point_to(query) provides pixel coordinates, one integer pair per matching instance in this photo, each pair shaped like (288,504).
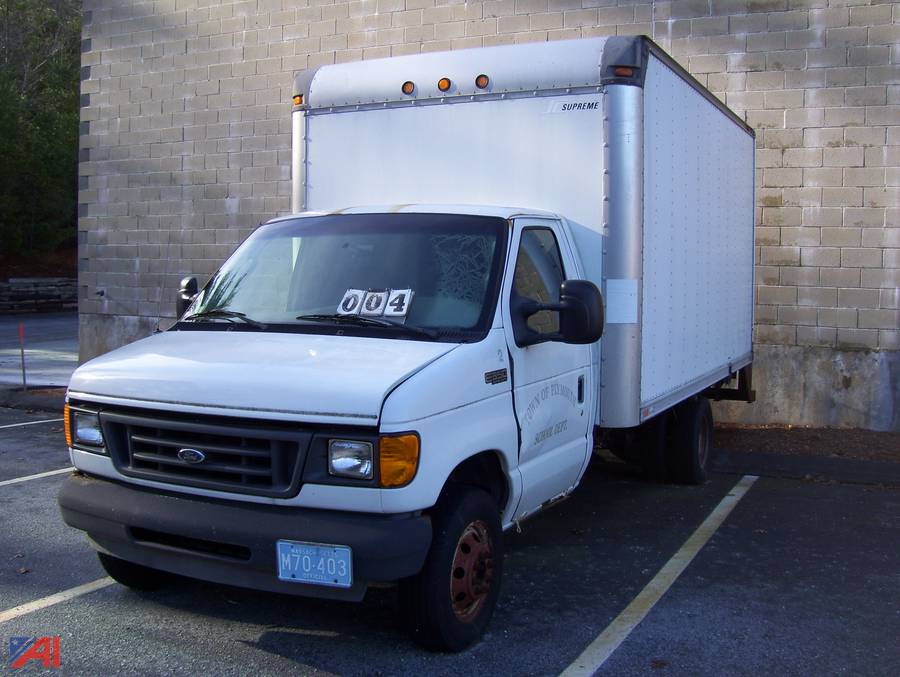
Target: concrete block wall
(185,149)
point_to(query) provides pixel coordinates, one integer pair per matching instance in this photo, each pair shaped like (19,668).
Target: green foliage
(39,112)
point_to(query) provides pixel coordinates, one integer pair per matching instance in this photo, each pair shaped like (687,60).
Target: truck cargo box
(654,175)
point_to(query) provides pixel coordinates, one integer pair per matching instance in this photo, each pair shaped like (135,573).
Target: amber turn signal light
(482,81)
(408,87)
(66,424)
(398,459)
(298,100)
(623,71)
(444,84)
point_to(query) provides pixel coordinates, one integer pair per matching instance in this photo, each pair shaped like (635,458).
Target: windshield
(418,276)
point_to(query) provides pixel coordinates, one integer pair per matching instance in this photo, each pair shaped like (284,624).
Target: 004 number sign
(387,302)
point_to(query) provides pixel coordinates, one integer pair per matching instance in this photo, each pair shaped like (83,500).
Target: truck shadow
(567,574)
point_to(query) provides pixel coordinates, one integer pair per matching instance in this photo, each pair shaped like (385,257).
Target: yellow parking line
(598,651)
(58,598)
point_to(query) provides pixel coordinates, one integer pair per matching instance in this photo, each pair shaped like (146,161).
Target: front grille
(242,457)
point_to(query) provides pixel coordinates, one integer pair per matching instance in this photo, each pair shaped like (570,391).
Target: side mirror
(581,317)
(185,295)
(580,311)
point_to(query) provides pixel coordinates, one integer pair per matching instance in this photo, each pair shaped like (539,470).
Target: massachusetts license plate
(315,563)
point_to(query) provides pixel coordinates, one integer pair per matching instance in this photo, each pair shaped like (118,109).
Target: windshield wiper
(363,321)
(225,314)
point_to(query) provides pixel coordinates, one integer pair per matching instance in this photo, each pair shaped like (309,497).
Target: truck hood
(300,377)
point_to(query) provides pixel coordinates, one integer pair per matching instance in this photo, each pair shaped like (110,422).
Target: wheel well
(485,472)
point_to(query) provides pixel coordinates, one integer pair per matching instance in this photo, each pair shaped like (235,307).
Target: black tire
(691,441)
(448,605)
(131,575)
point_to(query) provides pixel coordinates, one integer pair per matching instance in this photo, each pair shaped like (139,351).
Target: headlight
(349,458)
(84,430)
(87,429)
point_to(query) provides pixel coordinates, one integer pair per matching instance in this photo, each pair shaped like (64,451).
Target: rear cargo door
(550,379)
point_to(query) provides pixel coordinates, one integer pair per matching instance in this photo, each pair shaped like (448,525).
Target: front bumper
(233,542)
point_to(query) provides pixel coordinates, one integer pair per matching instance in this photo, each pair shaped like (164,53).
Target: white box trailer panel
(697,291)
(653,174)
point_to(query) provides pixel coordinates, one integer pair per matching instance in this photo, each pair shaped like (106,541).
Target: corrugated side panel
(536,152)
(697,295)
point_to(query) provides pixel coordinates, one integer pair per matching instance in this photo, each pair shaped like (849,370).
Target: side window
(539,272)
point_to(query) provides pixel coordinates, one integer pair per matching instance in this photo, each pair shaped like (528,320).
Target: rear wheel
(448,605)
(131,575)
(691,441)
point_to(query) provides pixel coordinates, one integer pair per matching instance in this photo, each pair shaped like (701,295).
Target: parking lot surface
(803,577)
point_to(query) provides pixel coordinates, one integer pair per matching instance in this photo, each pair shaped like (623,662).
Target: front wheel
(448,605)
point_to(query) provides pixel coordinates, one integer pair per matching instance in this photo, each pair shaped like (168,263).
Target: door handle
(581,389)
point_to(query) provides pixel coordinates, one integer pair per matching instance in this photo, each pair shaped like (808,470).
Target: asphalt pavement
(801,578)
(51,348)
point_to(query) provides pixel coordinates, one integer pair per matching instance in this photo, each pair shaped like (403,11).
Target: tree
(39,113)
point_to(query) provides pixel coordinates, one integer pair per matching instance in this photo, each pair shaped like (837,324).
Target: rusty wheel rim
(472,572)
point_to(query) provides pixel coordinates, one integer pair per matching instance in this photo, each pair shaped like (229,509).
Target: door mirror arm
(532,307)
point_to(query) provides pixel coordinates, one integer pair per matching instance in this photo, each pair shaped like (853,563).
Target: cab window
(539,273)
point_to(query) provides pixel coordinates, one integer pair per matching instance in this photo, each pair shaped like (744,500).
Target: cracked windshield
(415,275)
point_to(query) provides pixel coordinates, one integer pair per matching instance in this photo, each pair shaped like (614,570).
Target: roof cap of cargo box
(516,70)
(564,64)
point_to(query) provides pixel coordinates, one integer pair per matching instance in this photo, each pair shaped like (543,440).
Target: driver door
(552,388)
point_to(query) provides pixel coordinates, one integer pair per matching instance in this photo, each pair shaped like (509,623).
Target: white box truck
(373,388)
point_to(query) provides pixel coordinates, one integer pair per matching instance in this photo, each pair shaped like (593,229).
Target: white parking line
(58,598)
(38,476)
(19,425)
(598,651)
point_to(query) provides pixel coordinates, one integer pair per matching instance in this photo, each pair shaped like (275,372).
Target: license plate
(315,563)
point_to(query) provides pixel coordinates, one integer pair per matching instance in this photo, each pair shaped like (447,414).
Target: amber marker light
(298,100)
(623,71)
(408,87)
(398,459)
(444,84)
(482,81)
(66,424)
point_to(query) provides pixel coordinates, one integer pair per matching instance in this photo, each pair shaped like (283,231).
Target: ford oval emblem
(191,456)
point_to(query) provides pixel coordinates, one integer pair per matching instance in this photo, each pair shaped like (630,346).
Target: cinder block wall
(185,149)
